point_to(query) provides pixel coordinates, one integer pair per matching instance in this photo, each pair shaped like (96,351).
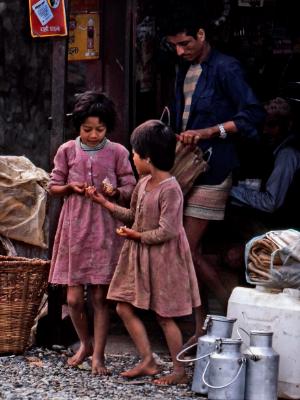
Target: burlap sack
(23,198)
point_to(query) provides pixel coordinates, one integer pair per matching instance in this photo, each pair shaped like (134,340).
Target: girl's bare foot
(98,367)
(83,352)
(143,368)
(176,378)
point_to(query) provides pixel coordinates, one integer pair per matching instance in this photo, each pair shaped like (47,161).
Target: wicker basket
(22,284)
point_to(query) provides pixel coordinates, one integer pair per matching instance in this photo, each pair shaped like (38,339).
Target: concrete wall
(25,86)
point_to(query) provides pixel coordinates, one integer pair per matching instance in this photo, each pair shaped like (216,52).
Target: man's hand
(193,136)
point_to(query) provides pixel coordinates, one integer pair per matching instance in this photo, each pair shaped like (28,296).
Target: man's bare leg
(206,273)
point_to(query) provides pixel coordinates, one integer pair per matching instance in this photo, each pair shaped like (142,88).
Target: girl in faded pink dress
(86,248)
(155,269)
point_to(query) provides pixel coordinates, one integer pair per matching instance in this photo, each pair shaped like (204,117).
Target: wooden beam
(57,133)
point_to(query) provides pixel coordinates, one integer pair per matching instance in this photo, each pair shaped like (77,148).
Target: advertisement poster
(47,18)
(84,37)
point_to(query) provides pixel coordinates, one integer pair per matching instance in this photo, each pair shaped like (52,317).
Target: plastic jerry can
(261,308)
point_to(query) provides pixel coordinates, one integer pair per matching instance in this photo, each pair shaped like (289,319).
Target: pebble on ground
(43,374)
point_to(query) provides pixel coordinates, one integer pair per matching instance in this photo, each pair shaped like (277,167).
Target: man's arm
(286,164)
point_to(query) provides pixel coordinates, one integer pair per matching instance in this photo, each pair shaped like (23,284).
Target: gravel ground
(41,374)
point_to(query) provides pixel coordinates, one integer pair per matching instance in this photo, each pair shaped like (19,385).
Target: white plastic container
(279,312)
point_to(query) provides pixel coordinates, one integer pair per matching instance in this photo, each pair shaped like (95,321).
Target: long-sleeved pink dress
(156,273)
(86,247)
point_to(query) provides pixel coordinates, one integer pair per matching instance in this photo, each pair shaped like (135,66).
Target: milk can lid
(230,341)
(261,332)
(221,318)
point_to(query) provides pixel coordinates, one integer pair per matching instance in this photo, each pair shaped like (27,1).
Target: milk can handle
(238,329)
(228,384)
(190,359)
(253,356)
(208,319)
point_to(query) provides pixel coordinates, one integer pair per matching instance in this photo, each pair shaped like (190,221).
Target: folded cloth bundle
(259,259)
(272,258)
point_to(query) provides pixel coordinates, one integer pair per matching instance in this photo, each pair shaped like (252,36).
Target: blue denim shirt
(287,163)
(221,94)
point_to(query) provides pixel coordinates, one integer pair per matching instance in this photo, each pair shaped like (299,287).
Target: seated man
(257,206)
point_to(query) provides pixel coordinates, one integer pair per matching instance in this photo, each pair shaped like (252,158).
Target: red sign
(47,18)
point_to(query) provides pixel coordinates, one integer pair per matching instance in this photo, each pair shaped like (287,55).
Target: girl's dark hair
(94,104)
(155,140)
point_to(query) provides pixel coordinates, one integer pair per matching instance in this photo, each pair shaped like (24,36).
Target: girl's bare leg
(138,334)
(75,298)
(174,341)
(101,324)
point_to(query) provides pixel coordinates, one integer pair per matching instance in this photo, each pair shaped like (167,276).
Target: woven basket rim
(14,260)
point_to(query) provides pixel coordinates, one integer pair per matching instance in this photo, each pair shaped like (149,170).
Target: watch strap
(222,131)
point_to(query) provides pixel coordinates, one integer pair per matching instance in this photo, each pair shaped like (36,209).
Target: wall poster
(47,18)
(84,37)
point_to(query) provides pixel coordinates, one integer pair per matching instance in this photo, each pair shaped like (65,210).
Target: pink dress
(86,247)
(156,273)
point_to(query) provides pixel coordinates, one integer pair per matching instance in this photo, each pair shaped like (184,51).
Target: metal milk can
(216,327)
(262,367)
(225,371)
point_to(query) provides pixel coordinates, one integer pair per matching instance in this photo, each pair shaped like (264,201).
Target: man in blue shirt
(286,152)
(213,103)
(266,201)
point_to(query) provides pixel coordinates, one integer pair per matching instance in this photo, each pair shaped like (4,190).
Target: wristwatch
(223,133)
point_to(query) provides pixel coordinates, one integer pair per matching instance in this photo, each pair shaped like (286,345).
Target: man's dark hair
(279,114)
(184,19)
(94,104)
(155,140)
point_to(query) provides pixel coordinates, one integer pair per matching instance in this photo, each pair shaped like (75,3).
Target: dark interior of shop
(263,35)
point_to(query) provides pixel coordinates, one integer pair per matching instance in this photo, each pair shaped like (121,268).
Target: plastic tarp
(273,259)
(23,198)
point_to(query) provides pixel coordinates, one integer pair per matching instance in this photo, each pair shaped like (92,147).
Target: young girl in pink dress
(155,269)
(86,248)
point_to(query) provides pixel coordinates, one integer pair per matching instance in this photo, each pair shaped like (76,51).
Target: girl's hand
(111,192)
(128,233)
(108,189)
(77,187)
(92,193)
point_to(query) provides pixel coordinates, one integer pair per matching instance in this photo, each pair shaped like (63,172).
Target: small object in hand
(107,185)
(120,230)
(88,191)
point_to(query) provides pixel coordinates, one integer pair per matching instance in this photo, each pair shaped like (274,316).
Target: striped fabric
(92,150)
(208,201)
(190,82)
